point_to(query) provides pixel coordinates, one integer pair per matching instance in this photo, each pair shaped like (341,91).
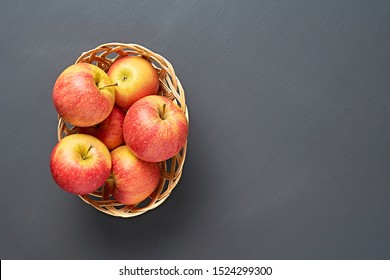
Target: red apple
(136,77)
(83,94)
(80,163)
(109,131)
(155,128)
(134,179)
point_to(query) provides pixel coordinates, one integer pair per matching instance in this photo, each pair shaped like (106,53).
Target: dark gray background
(289,145)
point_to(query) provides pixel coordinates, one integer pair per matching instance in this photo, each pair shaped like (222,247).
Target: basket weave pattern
(171,170)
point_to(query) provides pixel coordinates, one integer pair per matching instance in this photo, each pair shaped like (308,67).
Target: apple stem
(86,153)
(110,85)
(162,114)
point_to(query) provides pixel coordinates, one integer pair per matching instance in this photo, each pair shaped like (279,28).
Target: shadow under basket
(171,170)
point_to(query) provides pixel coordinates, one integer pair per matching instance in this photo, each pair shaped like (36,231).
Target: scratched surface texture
(289,145)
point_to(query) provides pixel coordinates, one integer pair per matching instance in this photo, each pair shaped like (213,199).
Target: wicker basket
(171,170)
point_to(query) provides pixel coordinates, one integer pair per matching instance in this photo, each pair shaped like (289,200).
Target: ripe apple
(80,163)
(83,94)
(109,131)
(155,128)
(134,179)
(136,78)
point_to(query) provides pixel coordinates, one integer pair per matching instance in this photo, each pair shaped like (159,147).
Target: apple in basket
(80,163)
(134,179)
(83,95)
(109,131)
(155,128)
(136,77)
